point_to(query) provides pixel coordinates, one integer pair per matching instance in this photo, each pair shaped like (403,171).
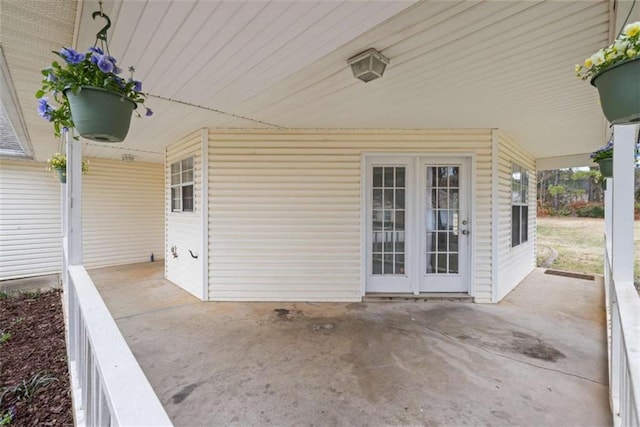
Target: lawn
(579,243)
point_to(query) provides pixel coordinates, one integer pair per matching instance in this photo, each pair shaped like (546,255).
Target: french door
(417,224)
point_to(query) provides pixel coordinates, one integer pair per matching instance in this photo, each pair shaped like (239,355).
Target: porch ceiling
(454,64)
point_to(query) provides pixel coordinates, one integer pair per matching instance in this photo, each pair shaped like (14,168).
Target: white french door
(417,224)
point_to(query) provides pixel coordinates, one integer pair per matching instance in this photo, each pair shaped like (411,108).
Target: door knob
(465,232)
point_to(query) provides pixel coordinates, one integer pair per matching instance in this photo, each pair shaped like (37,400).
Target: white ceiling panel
(268,64)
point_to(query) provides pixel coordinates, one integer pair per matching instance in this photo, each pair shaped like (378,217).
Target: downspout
(495,200)
(204,213)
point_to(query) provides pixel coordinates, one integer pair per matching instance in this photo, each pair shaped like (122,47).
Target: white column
(622,201)
(65,234)
(74,200)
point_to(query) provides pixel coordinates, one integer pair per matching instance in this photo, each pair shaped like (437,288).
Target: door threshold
(423,297)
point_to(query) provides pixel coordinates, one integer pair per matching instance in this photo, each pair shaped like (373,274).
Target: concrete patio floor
(538,358)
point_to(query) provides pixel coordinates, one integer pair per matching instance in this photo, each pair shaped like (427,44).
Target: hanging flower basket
(62,175)
(89,94)
(606,167)
(99,114)
(619,90)
(615,71)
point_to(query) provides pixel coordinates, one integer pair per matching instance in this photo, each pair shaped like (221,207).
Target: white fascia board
(563,162)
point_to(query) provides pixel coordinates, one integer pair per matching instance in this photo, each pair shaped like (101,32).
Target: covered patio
(537,357)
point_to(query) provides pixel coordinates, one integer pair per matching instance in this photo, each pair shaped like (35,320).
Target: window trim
(181,185)
(520,200)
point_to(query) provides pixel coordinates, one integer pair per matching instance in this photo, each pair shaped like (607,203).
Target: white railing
(624,347)
(109,388)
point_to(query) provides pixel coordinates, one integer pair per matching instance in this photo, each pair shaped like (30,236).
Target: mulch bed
(34,353)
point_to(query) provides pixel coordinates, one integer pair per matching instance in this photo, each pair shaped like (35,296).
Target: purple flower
(120,81)
(71,56)
(105,65)
(51,77)
(137,85)
(149,113)
(95,57)
(96,50)
(116,70)
(44,109)
(65,129)
(112,59)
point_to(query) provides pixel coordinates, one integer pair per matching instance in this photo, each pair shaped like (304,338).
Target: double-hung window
(182,185)
(519,205)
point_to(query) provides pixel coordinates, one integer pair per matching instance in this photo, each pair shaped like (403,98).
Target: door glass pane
(387,266)
(388,177)
(442,219)
(388,220)
(399,177)
(377,263)
(377,177)
(377,198)
(377,220)
(400,220)
(388,198)
(399,264)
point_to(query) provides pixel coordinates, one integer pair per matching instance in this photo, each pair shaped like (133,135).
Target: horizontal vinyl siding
(30,223)
(285,209)
(122,212)
(514,263)
(184,229)
(122,216)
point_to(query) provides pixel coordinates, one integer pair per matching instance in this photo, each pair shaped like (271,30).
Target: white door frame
(365,161)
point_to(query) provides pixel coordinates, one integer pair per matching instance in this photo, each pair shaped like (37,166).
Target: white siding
(122,212)
(285,209)
(184,229)
(513,263)
(122,216)
(30,224)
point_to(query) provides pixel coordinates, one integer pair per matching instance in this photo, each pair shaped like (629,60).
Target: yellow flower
(578,66)
(588,63)
(631,53)
(632,29)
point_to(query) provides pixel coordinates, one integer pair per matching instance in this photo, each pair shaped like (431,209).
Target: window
(182,186)
(519,205)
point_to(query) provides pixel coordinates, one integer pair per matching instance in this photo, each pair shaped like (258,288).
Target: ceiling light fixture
(368,65)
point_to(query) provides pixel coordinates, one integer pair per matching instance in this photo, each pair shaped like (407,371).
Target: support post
(622,201)
(73,200)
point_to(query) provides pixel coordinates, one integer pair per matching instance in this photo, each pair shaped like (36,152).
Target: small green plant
(7,417)
(5,337)
(32,294)
(3,295)
(29,388)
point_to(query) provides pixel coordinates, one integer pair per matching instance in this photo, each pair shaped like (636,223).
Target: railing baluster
(112,388)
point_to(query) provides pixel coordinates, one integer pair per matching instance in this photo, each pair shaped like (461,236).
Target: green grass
(579,243)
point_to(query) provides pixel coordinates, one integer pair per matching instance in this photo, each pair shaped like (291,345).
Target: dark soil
(34,353)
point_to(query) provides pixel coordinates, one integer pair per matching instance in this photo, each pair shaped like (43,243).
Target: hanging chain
(627,18)
(101,36)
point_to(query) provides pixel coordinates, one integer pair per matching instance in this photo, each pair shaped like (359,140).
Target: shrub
(591,210)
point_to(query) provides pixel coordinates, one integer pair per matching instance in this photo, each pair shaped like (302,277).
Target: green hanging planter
(62,175)
(606,167)
(619,89)
(603,184)
(100,115)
